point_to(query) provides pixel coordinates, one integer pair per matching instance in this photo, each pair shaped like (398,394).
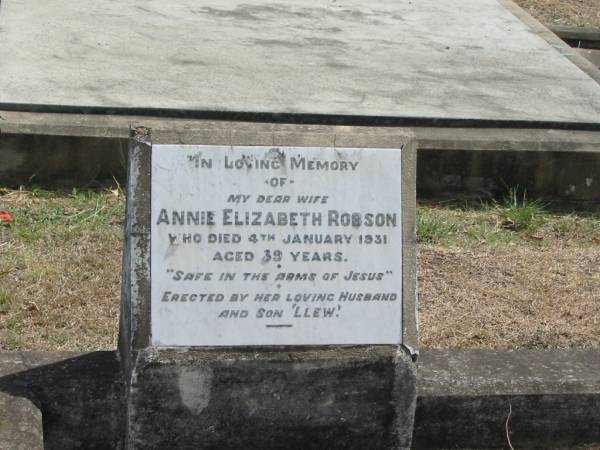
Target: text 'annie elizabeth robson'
(231,217)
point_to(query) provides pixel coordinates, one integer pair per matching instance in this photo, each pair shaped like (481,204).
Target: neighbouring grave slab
(269,290)
(20,424)
(481,398)
(454,61)
(79,399)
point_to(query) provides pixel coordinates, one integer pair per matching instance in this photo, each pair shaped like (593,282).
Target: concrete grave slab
(461,60)
(480,398)
(591,55)
(20,424)
(77,397)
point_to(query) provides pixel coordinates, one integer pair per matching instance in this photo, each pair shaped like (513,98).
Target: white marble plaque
(275,246)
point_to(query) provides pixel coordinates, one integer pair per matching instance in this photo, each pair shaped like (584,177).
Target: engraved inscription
(275,246)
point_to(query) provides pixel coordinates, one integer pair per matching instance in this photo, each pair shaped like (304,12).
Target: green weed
(5,301)
(518,213)
(484,231)
(434,229)
(58,217)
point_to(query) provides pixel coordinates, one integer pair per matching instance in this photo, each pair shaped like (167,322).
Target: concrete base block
(20,424)
(490,398)
(338,398)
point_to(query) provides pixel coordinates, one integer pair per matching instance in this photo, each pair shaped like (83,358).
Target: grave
(493,96)
(269,291)
(279,82)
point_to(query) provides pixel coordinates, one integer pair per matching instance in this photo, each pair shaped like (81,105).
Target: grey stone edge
(20,424)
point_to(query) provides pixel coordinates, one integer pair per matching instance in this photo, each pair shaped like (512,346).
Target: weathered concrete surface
(466,60)
(465,397)
(443,138)
(562,47)
(20,424)
(61,160)
(335,398)
(74,149)
(579,37)
(80,396)
(551,176)
(592,56)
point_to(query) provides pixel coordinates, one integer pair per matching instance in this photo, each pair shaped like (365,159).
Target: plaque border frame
(135,317)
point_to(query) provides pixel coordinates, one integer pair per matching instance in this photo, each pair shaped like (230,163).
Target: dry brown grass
(481,284)
(510,297)
(576,13)
(60,271)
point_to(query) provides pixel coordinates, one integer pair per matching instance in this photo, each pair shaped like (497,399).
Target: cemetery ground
(576,13)
(513,273)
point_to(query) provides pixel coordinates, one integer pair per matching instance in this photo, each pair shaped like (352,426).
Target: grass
(60,269)
(578,13)
(518,213)
(5,301)
(62,217)
(514,220)
(431,228)
(507,274)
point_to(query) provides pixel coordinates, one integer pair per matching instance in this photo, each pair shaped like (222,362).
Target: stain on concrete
(278,154)
(276,43)
(12,159)
(325,41)
(195,386)
(188,62)
(338,65)
(237,13)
